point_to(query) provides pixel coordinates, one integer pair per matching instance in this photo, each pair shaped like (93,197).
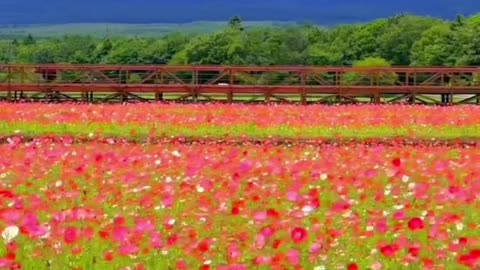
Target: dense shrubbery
(400,40)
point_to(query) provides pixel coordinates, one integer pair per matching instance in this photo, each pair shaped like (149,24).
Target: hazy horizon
(326,12)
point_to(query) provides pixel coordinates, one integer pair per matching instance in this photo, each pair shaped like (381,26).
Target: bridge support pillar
(478,99)
(267,96)
(411,99)
(158,96)
(303,97)
(124,97)
(447,99)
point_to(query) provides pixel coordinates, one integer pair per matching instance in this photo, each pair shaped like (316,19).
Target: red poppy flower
(108,256)
(71,235)
(415,224)
(414,251)
(298,235)
(396,162)
(389,250)
(352,266)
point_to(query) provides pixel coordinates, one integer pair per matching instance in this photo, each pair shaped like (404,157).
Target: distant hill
(325,12)
(122,29)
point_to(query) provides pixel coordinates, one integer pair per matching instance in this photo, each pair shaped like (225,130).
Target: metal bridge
(114,83)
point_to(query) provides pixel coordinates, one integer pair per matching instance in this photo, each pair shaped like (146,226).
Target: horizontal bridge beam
(268,81)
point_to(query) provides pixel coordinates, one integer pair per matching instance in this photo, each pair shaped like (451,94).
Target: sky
(179,11)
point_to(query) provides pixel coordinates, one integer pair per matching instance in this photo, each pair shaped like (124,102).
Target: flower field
(237,121)
(108,203)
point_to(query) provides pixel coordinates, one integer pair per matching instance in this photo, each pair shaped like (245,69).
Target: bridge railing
(229,80)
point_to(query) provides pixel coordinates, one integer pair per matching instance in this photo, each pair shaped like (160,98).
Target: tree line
(399,40)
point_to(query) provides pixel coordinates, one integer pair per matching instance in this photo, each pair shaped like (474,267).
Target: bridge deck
(436,85)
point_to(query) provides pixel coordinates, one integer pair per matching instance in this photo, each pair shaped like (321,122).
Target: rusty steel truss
(104,83)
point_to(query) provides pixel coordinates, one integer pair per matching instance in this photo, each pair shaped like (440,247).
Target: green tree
(221,48)
(396,42)
(101,51)
(76,49)
(474,19)
(45,52)
(127,52)
(434,48)
(236,23)
(367,78)
(29,40)
(365,41)
(466,40)
(340,40)
(321,55)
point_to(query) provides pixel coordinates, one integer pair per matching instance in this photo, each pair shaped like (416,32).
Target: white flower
(58,183)
(320,267)
(9,233)
(405,178)
(176,153)
(207,262)
(323,176)
(411,186)
(200,189)
(347,214)
(307,209)
(459,226)
(158,162)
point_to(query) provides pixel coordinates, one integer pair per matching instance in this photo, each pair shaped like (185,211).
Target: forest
(404,40)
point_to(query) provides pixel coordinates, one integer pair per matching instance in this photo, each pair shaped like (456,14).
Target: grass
(141,132)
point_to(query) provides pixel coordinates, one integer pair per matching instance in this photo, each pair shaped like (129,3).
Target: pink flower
(293,256)
(128,249)
(315,248)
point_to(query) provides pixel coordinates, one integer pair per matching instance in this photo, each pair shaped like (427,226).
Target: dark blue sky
(176,11)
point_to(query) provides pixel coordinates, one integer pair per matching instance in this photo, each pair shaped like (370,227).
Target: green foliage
(381,78)
(29,40)
(400,35)
(467,45)
(399,40)
(236,23)
(372,62)
(321,55)
(475,19)
(434,48)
